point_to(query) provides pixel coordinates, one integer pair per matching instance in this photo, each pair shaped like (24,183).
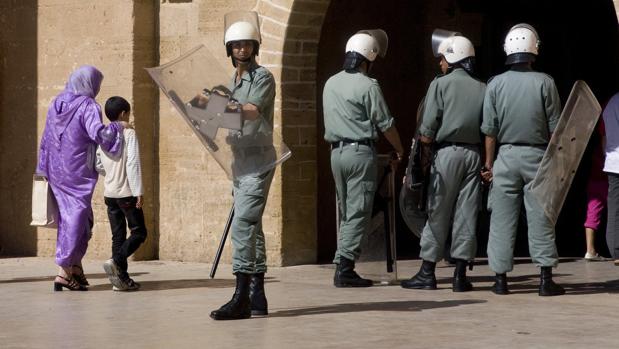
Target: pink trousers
(597,193)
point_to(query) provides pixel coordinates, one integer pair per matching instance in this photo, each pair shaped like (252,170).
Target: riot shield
(196,85)
(567,145)
(438,36)
(378,246)
(381,37)
(413,194)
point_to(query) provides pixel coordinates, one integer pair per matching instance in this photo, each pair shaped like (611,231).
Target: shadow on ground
(375,306)
(162,285)
(51,278)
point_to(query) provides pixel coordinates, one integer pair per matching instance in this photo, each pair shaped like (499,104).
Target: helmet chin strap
(242,62)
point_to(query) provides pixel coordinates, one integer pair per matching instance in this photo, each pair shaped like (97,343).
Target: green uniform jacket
(521,107)
(353,107)
(453,108)
(256,86)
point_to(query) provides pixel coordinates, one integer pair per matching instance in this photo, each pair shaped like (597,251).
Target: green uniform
(452,116)
(354,107)
(253,148)
(521,109)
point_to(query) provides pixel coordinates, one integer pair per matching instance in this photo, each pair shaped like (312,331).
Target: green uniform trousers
(250,198)
(354,171)
(514,168)
(454,199)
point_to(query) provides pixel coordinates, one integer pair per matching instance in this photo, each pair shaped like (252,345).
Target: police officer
(253,87)
(521,110)
(451,120)
(354,108)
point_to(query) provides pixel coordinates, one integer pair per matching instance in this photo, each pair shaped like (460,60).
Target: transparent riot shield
(197,86)
(250,17)
(377,261)
(567,145)
(381,37)
(438,36)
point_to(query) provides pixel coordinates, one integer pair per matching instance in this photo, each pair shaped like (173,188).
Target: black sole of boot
(216,317)
(419,287)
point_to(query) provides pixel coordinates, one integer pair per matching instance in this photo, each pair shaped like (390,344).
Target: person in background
(597,191)
(611,167)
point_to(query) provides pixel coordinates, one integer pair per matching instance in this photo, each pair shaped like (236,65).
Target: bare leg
(590,235)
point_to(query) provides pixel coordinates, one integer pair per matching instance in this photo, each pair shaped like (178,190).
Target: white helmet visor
(438,36)
(381,38)
(250,17)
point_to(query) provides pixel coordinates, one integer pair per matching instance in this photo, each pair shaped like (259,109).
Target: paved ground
(306,311)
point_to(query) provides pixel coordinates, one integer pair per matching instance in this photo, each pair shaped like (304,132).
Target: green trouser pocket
(367,196)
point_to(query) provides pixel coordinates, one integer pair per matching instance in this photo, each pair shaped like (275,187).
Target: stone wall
(18,124)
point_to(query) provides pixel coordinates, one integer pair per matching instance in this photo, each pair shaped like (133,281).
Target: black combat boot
(500,284)
(258,299)
(460,282)
(424,279)
(239,306)
(345,275)
(547,287)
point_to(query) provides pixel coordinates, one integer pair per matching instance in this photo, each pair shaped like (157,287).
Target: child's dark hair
(114,106)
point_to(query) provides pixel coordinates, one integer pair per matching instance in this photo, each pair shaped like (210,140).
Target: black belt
(526,144)
(343,142)
(456,144)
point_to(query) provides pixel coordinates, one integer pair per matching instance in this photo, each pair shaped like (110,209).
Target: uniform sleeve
(490,121)
(432,111)
(108,137)
(552,104)
(262,91)
(134,167)
(377,110)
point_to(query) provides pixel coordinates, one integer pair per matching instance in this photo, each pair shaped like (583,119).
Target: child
(123,198)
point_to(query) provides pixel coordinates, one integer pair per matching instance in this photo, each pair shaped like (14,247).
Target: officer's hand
(140,202)
(396,158)
(250,111)
(199,101)
(486,174)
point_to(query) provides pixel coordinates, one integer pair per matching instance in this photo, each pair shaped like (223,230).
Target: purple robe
(67,158)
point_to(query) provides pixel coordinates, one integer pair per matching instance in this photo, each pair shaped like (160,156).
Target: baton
(222,242)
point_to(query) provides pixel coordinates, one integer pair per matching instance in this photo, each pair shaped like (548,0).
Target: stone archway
(291,32)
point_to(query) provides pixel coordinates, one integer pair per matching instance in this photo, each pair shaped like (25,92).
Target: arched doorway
(578,42)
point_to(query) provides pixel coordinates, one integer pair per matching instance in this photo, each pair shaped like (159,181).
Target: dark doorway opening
(579,42)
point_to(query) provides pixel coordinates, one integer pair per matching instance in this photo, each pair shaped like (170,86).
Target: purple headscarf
(85,81)
(83,85)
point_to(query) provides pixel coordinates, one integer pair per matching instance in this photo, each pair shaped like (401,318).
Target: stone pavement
(171,310)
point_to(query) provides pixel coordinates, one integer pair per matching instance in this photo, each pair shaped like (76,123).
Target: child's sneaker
(129,284)
(113,273)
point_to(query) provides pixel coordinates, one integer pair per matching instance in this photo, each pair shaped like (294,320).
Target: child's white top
(123,173)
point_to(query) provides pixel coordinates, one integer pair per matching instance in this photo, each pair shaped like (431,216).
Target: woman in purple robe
(72,132)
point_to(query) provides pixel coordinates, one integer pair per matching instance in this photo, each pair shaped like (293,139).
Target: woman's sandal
(80,278)
(72,285)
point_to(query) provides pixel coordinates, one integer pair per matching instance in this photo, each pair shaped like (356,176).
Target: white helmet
(364,44)
(522,38)
(241,31)
(456,48)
